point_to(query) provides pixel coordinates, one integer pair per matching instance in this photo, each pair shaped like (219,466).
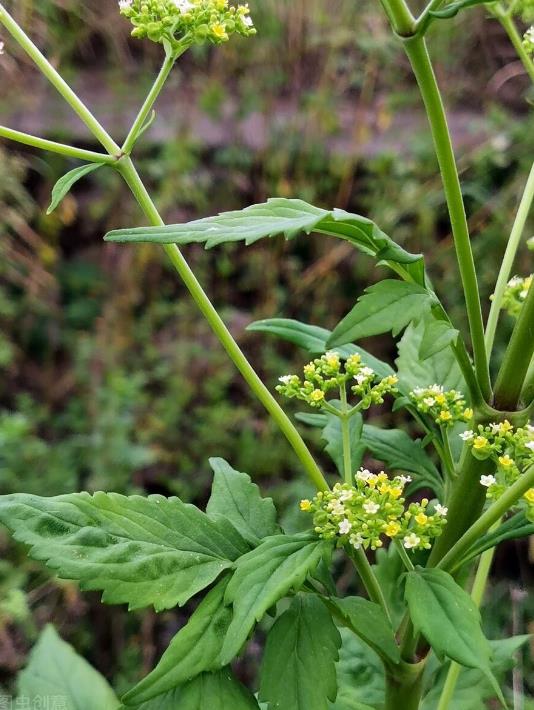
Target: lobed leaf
(208,691)
(388,306)
(139,551)
(282,216)
(195,649)
(262,577)
(65,183)
(299,663)
(56,671)
(236,498)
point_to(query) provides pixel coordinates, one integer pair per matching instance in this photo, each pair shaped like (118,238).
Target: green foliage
(368,621)
(195,649)
(235,498)
(387,306)
(262,577)
(139,551)
(454,8)
(298,669)
(438,335)
(516,527)
(281,216)
(64,185)
(55,672)
(332,434)
(449,620)
(360,675)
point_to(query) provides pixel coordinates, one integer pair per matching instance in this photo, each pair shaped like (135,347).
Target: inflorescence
(374,508)
(528,40)
(182,23)
(511,449)
(446,407)
(516,293)
(328,373)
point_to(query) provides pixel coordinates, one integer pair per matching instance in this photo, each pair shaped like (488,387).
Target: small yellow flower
(440,399)
(392,380)
(382,477)
(445,415)
(505,427)
(392,529)
(529,495)
(395,492)
(317,396)
(384,488)
(309,369)
(305,505)
(218,30)
(421,519)
(480,442)
(468,414)
(506,461)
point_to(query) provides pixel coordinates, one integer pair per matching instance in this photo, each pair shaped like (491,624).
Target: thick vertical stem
(404,689)
(422,67)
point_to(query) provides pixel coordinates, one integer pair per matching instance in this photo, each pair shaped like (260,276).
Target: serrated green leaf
(236,498)
(388,306)
(438,335)
(139,551)
(314,340)
(298,671)
(454,8)
(194,650)
(441,368)
(262,577)
(65,183)
(367,620)
(56,671)
(449,620)
(360,675)
(399,452)
(281,216)
(516,527)
(208,691)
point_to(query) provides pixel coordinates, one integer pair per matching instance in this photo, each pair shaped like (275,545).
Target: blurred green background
(109,378)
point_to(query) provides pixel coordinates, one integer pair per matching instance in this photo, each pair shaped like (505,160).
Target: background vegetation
(109,379)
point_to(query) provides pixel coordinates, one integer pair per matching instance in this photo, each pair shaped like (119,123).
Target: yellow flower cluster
(182,23)
(511,449)
(446,407)
(517,289)
(374,508)
(328,373)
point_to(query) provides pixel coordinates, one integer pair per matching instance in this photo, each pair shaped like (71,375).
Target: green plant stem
(368,577)
(129,173)
(345,436)
(527,393)
(508,23)
(153,94)
(508,260)
(53,147)
(477,594)
(416,50)
(404,556)
(400,16)
(513,373)
(425,17)
(494,513)
(58,82)
(404,686)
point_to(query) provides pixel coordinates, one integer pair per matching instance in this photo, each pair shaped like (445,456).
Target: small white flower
(467,435)
(487,481)
(356,540)
(523,294)
(530,428)
(336,507)
(530,445)
(125,4)
(247,20)
(370,507)
(438,389)
(515,281)
(429,401)
(364,475)
(344,527)
(495,428)
(2,45)
(346,495)
(183,5)
(411,540)
(441,510)
(285,379)
(405,479)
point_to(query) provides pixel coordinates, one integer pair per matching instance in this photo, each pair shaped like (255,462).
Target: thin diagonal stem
(508,260)
(53,147)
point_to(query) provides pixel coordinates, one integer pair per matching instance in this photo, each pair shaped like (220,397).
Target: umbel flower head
(446,407)
(328,373)
(373,509)
(517,288)
(511,449)
(182,23)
